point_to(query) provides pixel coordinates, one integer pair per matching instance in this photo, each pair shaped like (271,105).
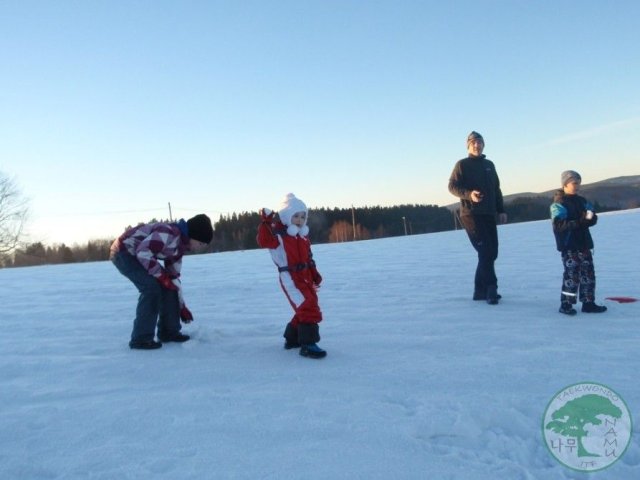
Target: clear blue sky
(112,109)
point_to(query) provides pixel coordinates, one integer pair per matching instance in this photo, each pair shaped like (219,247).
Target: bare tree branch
(13,213)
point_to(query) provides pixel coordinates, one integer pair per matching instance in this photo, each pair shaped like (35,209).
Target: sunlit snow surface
(419,382)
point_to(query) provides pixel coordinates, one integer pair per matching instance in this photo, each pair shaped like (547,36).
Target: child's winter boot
(309,336)
(291,337)
(591,307)
(567,309)
(144,344)
(173,337)
(312,351)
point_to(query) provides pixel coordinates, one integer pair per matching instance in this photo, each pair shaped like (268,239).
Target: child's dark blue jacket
(570,226)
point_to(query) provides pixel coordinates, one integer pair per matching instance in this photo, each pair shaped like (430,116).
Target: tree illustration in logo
(570,419)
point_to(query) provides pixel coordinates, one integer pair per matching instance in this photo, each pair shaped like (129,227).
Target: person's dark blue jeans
(156,305)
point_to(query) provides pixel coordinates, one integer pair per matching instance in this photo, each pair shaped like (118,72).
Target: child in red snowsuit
(290,250)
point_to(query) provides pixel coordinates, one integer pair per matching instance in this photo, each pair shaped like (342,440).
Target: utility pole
(353,222)
(404,221)
(170,216)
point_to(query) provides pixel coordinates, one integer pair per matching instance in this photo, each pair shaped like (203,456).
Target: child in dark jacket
(572,215)
(151,257)
(290,250)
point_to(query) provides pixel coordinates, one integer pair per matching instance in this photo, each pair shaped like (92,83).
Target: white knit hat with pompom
(290,205)
(288,208)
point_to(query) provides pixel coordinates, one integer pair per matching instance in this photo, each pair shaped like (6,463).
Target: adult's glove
(266,215)
(185,315)
(167,282)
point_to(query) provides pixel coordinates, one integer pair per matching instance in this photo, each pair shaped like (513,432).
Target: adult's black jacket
(476,173)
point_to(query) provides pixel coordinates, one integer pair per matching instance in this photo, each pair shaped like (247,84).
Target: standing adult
(474,180)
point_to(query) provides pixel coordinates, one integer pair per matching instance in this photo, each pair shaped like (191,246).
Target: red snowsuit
(299,277)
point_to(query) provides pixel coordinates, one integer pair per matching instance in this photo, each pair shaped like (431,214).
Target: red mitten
(185,315)
(167,282)
(266,215)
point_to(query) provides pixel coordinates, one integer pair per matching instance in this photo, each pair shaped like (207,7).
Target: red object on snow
(622,299)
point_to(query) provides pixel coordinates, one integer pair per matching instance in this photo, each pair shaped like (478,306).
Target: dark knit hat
(570,176)
(200,228)
(474,136)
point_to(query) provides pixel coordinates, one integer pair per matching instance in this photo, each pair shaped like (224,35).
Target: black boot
(567,309)
(480,294)
(144,345)
(492,295)
(312,351)
(173,337)
(309,336)
(308,333)
(291,337)
(591,307)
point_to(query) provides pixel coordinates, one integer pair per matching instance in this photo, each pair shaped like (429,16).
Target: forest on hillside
(238,231)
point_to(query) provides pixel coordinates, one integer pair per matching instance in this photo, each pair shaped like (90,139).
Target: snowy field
(420,382)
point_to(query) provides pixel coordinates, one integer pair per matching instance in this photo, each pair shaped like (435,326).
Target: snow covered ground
(420,382)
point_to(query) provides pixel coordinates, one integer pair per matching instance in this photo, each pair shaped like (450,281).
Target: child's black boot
(312,351)
(291,337)
(309,336)
(144,344)
(173,337)
(567,309)
(591,307)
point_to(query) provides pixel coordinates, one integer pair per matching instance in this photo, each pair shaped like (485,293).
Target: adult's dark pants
(483,235)
(156,305)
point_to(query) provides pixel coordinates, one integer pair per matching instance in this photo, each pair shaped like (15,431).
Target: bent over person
(151,257)
(475,182)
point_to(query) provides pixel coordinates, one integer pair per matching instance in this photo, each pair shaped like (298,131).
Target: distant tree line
(238,231)
(39,254)
(529,209)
